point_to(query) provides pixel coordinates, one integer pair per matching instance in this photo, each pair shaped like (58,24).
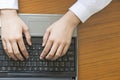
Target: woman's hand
(11,34)
(57,38)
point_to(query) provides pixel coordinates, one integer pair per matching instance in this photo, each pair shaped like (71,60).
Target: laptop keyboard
(65,65)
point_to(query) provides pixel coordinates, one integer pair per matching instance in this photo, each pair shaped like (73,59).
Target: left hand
(57,38)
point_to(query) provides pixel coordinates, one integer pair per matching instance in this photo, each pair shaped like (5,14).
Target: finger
(23,48)
(16,51)
(46,49)
(5,47)
(11,53)
(65,49)
(9,50)
(4,44)
(52,51)
(27,35)
(59,52)
(45,38)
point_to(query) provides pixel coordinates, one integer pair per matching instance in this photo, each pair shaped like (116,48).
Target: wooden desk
(99,38)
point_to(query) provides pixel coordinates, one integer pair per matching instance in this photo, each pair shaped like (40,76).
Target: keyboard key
(62,64)
(39,63)
(56,69)
(1,47)
(71,69)
(1,52)
(71,58)
(51,69)
(39,47)
(61,69)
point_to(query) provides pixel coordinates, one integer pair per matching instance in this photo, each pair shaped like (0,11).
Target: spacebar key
(22,74)
(43,74)
(26,74)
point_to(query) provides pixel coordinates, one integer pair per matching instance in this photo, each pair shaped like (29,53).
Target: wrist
(71,19)
(8,12)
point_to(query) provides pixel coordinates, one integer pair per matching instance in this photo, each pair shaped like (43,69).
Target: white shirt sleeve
(8,4)
(83,9)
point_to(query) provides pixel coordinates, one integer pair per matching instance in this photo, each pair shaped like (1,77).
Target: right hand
(57,38)
(11,34)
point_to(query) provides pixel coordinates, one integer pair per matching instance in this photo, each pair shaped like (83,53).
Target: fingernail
(15,59)
(43,44)
(27,57)
(53,59)
(22,59)
(30,43)
(9,56)
(46,57)
(41,57)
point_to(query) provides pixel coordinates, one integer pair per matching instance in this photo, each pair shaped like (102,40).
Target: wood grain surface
(98,37)
(45,6)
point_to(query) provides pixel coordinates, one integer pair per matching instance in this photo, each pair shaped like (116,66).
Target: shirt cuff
(8,4)
(82,11)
